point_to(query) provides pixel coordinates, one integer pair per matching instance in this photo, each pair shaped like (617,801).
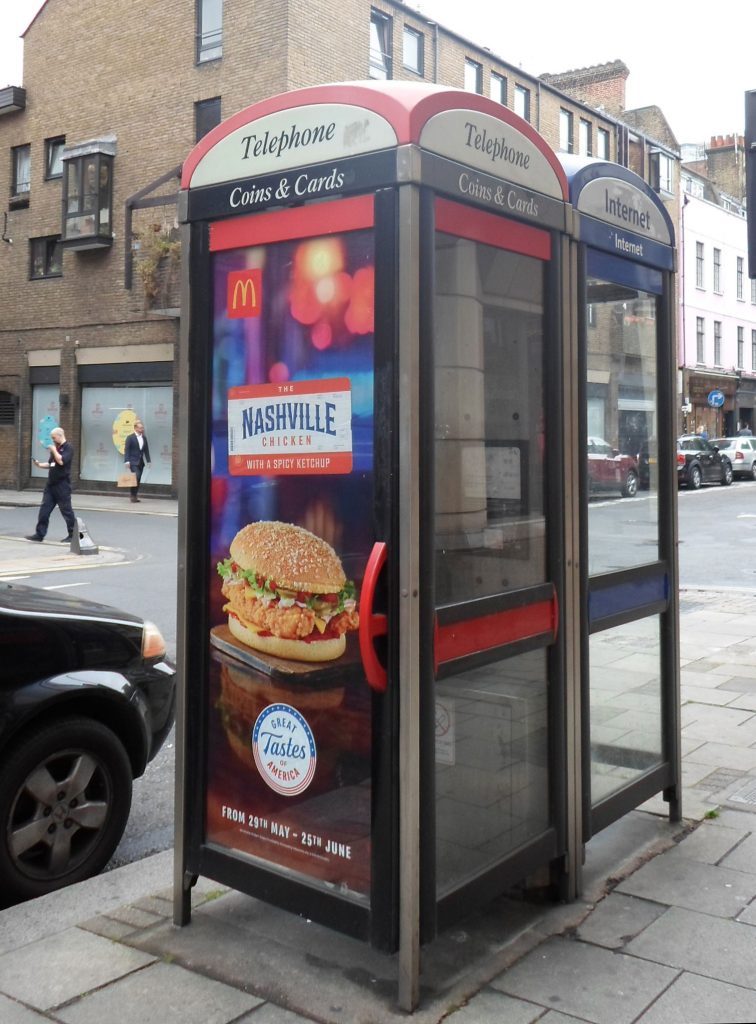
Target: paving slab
(701,944)
(12,1012)
(709,844)
(161,994)
(491,1007)
(743,856)
(618,919)
(586,981)
(691,999)
(60,967)
(676,880)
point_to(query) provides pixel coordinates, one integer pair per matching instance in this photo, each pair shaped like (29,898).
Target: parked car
(701,462)
(741,451)
(86,701)
(610,470)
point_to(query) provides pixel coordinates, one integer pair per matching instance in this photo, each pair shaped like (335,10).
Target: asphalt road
(717,549)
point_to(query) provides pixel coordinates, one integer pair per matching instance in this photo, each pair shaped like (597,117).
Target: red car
(610,470)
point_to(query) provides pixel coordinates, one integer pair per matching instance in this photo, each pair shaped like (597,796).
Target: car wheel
(726,474)
(694,477)
(64,805)
(631,485)
(753,470)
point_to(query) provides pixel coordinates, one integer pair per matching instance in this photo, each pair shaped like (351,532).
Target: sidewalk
(665,930)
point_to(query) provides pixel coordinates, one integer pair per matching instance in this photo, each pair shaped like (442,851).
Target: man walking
(136,454)
(58,487)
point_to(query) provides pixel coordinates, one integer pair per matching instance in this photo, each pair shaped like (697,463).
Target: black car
(700,462)
(86,701)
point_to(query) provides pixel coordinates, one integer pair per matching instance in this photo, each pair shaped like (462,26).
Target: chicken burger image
(286,593)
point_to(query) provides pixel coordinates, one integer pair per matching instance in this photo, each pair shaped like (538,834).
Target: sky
(696,69)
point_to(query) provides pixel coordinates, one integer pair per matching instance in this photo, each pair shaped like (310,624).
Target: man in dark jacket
(136,454)
(58,487)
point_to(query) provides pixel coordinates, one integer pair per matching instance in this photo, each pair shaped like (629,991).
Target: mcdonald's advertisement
(291,530)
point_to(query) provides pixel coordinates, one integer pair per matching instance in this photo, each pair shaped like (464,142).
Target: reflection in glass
(492,791)
(489,420)
(626,726)
(621,390)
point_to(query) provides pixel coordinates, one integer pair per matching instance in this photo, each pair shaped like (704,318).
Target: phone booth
(626,387)
(374,726)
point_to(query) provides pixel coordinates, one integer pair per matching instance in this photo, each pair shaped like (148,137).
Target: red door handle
(372,625)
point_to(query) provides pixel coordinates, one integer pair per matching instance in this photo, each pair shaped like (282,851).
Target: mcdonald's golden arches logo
(244,294)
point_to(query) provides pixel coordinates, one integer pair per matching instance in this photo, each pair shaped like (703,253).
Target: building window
(753,290)
(54,157)
(741,346)
(586,138)
(718,271)
(380,45)
(207,114)
(740,278)
(602,143)
(753,351)
(699,339)
(717,342)
(20,175)
(413,50)
(209,30)
(566,139)
(8,403)
(473,76)
(498,88)
(699,264)
(45,257)
(661,172)
(88,196)
(522,101)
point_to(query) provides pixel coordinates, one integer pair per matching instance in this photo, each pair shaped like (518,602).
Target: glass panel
(626,721)
(45,416)
(107,416)
(380,53)
(412,54)
(90,184)
(54,167)
(622,426)
(21,169)
(492,786)
(72,188)
(489,417)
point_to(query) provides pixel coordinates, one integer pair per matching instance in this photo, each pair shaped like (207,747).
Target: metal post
(409,604)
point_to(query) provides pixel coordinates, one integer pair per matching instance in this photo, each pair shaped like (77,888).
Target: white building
(717,312)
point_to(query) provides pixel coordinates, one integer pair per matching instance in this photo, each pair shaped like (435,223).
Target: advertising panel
(291,529)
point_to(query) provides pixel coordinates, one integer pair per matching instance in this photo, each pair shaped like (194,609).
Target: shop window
(207,114)
(413,50)
(88,196)
(522,101)
(54,157)
(473,76)
(20,175)
(209,30)
(8,404)
(498,88)
(380,46)
(46,257)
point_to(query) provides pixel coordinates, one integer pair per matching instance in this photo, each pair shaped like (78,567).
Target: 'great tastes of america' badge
(284,749)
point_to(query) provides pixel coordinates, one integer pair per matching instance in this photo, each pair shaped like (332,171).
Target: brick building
(89,261)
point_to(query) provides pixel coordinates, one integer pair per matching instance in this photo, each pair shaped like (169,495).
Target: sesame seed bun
(282,647)
(290,555)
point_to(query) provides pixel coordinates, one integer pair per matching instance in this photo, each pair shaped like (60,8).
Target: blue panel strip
(629,596)
(622,271)
(626,244)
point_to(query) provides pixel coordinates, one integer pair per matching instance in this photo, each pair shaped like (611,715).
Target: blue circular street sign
(716,399)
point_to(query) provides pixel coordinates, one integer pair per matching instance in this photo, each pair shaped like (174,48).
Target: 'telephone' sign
(244,294)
